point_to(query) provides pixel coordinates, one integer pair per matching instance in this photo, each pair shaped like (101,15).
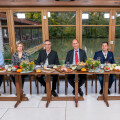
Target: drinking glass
(42,65)
(68,64)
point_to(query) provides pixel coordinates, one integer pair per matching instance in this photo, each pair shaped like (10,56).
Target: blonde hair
(20,43)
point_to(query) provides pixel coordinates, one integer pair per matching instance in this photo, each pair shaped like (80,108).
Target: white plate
(48,71)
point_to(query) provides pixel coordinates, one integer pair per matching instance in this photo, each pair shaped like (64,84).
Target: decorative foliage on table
(31,66)
(96,64)
(89,62)
(92,64)
(27,66)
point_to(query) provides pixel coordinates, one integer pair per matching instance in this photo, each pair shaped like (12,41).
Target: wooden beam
(113,30)
(78,25)
(81,29)
(11,32)
(45,32)
(61,3)
(110,30)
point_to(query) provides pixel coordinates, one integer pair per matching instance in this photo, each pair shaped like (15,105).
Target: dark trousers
(81,80)
(1,79)
(23,79)
(41,79)
(111,80)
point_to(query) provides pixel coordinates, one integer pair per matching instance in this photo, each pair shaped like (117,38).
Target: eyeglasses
(47,44)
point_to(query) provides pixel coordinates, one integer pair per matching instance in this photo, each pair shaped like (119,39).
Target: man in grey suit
(73,56)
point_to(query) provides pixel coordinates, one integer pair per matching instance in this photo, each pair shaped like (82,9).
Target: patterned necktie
(76,57)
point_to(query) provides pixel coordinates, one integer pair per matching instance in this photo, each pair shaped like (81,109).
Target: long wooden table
(20,97)
(49,98)
(104,97)
(66,98)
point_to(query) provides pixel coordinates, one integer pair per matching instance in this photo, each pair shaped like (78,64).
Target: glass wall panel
(4,44)
(28,30)
(27,18)
(117,43)
(117,18)
(61,18)
(4,38)
(61,38)
(95,18)
(92,37)
(62,35)
(31,38)
(3,18)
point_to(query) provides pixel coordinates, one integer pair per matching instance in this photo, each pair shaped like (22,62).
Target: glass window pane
(4,44)
(95,18)
(28,18)
(3,18)
(117,42)
(61,38)
(92,38)
(61,18)
(31,37)
(118,18)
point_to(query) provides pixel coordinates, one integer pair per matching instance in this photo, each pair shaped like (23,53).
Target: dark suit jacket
(110,57)
(52,57)
(70,54)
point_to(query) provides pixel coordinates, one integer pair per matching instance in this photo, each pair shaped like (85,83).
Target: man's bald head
(75,40)
(75,44)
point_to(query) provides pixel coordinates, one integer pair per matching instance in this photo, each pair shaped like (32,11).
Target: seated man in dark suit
(48,57)
(105,56)
(73,57)
(1,63)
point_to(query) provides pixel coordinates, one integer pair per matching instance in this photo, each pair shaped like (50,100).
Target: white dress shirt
(46,62)
(105,55)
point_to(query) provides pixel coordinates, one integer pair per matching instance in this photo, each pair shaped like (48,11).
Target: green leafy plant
(89,62)
(27,66)
(92,64)
(96,63)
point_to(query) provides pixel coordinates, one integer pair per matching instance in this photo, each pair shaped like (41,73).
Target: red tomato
(15,66)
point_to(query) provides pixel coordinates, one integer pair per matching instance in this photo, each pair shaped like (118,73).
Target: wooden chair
(6,78)
(66,83)
(32,77)
(4,83)
(58,84)
(117,76)
(93,77)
